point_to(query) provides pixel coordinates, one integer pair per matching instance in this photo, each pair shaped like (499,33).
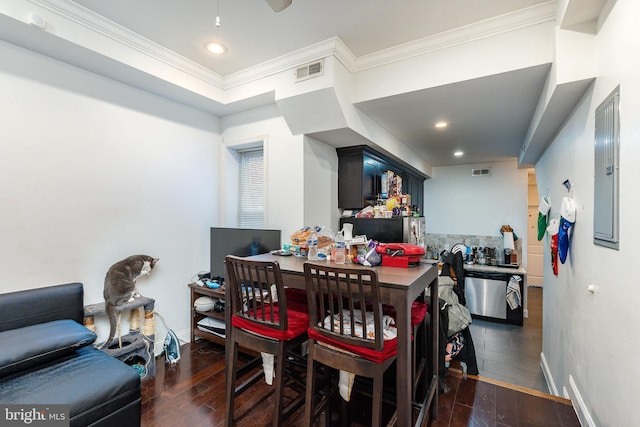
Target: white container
(340,248)
(312,245)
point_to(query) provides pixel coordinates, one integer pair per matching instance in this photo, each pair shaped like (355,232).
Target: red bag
(400,254)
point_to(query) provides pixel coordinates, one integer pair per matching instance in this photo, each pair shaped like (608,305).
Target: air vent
(481,172)
(308,71)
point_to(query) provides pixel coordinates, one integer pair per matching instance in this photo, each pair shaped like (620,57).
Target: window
(251,189)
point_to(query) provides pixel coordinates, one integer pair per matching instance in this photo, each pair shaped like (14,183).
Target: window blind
(251,197)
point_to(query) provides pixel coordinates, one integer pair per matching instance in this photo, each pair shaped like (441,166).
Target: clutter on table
(390,202)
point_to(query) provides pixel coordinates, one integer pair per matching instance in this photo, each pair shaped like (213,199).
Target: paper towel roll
(508,240)
(347,229)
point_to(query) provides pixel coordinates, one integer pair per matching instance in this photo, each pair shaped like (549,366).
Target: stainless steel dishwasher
(486,293)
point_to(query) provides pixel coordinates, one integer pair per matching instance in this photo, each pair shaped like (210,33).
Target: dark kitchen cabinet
(373,168)
(352,185)
(359,182)
(414,186)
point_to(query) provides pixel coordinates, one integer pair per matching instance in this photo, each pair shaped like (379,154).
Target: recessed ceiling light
(441,124)
(458,153)
(215,48)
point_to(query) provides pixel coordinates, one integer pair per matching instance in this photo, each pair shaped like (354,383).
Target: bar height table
(399,287)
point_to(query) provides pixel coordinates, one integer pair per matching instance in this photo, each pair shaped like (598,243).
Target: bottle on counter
(312,245)
(482,260)
(339,248)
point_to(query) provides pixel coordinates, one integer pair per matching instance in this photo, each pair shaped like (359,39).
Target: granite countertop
(486,268)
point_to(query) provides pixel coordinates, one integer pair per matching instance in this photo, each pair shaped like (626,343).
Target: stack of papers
(357,240)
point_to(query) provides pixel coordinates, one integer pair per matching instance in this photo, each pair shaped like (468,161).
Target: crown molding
(282,63)
(79,15)
(534,15)
(344,55)
(98,24)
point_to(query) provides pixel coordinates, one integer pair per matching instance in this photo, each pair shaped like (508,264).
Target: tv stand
(196,316)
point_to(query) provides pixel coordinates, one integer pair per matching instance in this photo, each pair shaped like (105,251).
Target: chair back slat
(253,285)
(337,296)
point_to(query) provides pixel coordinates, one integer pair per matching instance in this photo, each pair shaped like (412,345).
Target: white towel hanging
(514,298)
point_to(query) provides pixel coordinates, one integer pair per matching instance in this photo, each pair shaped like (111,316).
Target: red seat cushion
(298,322)
(418,311)
(390,348)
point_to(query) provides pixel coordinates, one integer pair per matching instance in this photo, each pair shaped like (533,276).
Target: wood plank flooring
(479,401)
(511,353)
(192,393)
(510,390)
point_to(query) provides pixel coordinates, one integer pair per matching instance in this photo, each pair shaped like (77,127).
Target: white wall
(301,172)
(284,165)
(590,340)
(92,171)
(321,185)
(457,203)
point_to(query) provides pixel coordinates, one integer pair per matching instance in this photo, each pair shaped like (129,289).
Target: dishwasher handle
(487,275)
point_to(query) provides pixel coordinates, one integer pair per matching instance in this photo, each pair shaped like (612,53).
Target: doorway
(534,247)
(509,353)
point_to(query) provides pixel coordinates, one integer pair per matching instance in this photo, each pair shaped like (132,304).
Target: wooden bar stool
(337,340)
(264,321)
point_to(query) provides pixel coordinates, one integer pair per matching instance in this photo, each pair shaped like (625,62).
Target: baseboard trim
(547,375)
(520,389)
(572,394)
(457,372)
(184,336)
(582,412)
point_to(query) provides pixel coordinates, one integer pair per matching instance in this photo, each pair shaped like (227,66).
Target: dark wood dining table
(399,287)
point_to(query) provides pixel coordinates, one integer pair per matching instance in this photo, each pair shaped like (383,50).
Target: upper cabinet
(359,177)
(413,184)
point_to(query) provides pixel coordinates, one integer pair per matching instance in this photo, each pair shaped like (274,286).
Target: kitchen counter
(515,316)
(495,269)
(486,268)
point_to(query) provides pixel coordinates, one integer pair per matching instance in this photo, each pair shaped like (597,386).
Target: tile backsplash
(438,241)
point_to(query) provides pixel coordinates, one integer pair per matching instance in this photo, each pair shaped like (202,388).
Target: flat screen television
(240,242)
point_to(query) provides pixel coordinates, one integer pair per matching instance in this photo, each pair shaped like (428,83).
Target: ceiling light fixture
(215,48)
(218,14)
(441,124)
(458,153)
(279,5)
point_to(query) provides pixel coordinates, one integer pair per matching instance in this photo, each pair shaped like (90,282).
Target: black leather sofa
(47,358)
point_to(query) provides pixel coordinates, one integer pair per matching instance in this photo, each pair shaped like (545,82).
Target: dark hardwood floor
(192,393)
(510,390)
(481,401)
